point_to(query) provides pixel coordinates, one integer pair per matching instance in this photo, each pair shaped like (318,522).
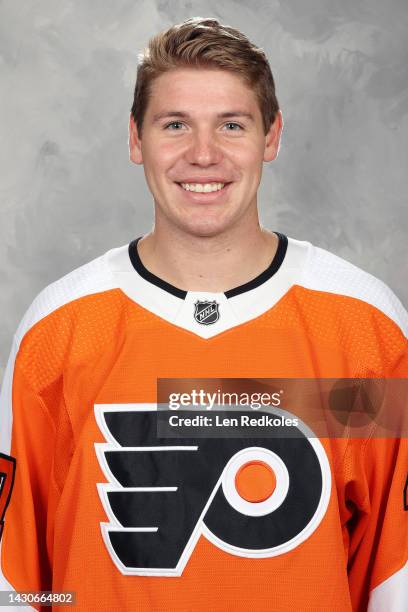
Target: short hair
(204,42)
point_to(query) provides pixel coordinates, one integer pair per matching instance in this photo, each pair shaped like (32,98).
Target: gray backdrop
(68,192)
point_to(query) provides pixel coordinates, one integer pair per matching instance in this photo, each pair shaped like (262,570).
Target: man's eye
(235,125)
(173,123)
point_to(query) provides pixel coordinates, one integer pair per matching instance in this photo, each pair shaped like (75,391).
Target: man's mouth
(203,187)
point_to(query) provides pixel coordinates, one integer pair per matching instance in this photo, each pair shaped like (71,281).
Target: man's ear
(273,138)
(135,144)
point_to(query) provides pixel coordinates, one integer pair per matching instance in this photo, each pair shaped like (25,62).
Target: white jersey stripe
(392,594)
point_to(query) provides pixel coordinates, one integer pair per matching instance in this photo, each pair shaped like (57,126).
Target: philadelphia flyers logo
(162,495)
(7,471)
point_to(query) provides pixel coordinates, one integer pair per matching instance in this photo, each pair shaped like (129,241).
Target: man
(97,501)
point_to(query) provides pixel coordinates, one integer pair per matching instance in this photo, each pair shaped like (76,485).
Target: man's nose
(204,149)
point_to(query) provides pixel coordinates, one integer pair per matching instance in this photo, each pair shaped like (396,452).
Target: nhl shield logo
(206,312)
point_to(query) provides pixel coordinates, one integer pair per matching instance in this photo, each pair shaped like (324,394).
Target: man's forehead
(202,85)
(189,93)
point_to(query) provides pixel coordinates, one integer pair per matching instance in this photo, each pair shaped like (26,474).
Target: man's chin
(204,228)
(200,222)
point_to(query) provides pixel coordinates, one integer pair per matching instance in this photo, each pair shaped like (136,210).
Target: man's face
(203,127)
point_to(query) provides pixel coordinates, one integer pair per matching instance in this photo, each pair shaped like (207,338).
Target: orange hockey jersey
(93,501)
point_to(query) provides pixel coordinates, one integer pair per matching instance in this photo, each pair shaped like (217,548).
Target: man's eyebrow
(183,115)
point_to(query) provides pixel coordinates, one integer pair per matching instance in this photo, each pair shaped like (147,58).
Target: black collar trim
(180,293)
(149,276)
(266,274)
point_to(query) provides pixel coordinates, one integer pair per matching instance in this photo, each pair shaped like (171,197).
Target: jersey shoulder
(328,273)
(90,278)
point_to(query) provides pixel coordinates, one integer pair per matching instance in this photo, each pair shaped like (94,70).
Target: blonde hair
(204,42)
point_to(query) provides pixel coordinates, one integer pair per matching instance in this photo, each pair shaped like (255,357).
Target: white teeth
(202,187)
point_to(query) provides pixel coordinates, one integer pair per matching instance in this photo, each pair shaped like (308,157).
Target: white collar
(220,311)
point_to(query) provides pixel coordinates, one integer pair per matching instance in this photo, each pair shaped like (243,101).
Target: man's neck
(213,264)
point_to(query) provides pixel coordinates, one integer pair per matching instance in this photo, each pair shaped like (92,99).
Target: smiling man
(96,496)
(203,148)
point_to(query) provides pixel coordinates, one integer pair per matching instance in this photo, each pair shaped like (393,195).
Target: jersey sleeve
(378,525)
(27,435)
